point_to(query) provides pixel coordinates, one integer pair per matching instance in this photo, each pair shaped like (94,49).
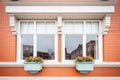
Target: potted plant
(84,64)
(33,64)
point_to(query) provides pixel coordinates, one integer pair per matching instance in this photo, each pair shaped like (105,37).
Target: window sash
(84,39)
(81,27)
(94,29)
(38,27)
(28,29)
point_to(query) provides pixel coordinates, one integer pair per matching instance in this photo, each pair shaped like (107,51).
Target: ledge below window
(60,64)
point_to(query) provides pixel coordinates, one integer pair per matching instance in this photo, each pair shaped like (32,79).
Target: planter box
(33,67)
(84,67)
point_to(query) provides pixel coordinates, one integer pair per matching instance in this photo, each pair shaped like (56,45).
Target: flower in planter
(84,59)
(34,59)
(89,58)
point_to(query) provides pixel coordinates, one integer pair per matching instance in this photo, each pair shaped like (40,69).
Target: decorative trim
(60,64)
(106,23)
(12,23)
(59,19)
(58,78)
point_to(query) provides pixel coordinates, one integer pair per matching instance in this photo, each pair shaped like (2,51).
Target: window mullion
(91,27)
(35,45)
(100,48)
(63,47)
(35,41)
(27,28)
(84,45)
(19,48)
(84,40)
(56,47)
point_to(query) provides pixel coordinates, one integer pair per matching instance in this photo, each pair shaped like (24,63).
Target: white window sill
(60,64)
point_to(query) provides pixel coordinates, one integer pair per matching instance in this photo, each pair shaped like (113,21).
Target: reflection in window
(45,47)
(91,45)
(73,46)
(27,46)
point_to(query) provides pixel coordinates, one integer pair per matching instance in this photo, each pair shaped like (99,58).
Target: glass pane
(23,27)
(88,27)
(27,46)
(45,47)
(41,27)
(95,27)
(92,45)
(68,27)
(78,27)
(50,26)
(73,46)
(31,27)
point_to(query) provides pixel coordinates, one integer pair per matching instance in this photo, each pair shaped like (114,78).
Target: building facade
(59,31)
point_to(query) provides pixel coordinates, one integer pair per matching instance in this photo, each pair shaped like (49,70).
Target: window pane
(23,27)
(88,27)
(31,27)
(68,26)
(45,46)
(41,27)
(50,26)
(91,45)
(73,46)
(27,46)
(78,27)
(95,27)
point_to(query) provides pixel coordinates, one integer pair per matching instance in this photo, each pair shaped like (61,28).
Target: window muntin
(45,47)
(73,27)
(73,46)
(27,27)
(46,27)
(80,27)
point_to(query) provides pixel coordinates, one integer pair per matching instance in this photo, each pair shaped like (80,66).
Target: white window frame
(100,42)
(35,41)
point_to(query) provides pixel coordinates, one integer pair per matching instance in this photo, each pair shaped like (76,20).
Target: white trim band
(60,64)
(59,78)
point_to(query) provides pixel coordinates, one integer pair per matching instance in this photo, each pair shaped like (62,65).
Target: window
(73,27)
(73,46)
(27,46)
(38,38)
(92,46)
(81,38)
(45,46)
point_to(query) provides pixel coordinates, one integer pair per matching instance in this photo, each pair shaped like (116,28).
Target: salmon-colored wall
(8,50)
(7,39)
(61,72)
(112,39)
